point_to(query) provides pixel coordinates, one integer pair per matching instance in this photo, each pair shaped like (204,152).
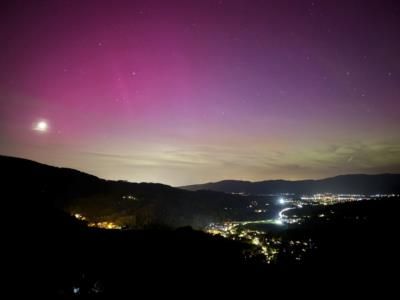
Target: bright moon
(41,126)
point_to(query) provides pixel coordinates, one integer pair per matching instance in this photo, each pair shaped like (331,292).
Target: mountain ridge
(360,183)
(33,187)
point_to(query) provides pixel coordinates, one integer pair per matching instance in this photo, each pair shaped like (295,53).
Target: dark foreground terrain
(48,252)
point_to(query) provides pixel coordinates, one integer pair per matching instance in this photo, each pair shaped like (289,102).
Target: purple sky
(184,92)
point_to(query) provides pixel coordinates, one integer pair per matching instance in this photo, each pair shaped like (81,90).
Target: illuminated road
(281,215)
(268,221)
(278,221)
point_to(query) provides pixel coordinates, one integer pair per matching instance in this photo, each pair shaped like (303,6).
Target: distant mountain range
(32,188)
(357,183)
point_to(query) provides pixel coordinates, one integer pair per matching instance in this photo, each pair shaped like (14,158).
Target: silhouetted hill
(52,253)
(359,183)
(130,204)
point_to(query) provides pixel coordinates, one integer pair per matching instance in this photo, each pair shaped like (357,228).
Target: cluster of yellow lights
(230,230)
(214,232)
(104,225)
(79,217)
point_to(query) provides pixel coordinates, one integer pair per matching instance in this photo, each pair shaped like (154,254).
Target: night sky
(183,92)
